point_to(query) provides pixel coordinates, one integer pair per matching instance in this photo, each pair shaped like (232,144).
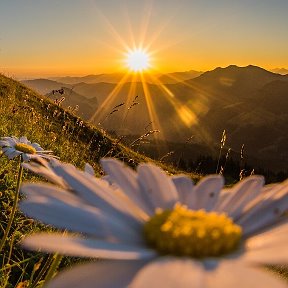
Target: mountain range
(250,103)
(168,78)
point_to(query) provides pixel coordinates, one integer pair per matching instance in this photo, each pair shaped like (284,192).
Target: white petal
(184,186)
(62,209)
(14,154)
(42,152)
(5,143)
(107,274)
(26,157)
(49,157)
(276,254)
(89,169)
(269,192)
(157,186)
(37,147)
(125,178)
(85,247)
(45,172)
(236,274)
(12,141)
(170,273)
(224,193)
(23,139)
(40,162)
(241,194)
(271,237)
(270,212)
(95,192)
(8,149)
(107,179)
(205,193)
(38,155)
(268,247)
(11,152)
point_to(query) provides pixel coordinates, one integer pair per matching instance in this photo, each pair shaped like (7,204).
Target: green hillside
(23,112)
(26,113)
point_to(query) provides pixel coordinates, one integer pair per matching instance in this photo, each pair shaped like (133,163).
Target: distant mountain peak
(282,71)
(234,69)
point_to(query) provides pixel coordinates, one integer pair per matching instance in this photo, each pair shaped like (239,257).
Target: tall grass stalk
(222,144)
(42,272)
(14,207)
(139,139)
(242,170)
(222,169)
(53,268)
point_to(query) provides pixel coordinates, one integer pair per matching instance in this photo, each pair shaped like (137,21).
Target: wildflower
(156,230)
(13,147)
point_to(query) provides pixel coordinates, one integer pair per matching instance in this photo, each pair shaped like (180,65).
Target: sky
(43,38)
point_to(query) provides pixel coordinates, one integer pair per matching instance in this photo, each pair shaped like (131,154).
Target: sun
(137,60)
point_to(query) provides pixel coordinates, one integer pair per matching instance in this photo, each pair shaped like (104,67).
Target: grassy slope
(23,112)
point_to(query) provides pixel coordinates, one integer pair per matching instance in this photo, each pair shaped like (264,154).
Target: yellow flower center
(25,148)
(197,234)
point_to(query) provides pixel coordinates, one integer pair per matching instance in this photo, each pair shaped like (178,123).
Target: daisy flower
(13,147)
(153,230)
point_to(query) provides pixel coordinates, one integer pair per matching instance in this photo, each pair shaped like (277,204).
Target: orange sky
(69,37)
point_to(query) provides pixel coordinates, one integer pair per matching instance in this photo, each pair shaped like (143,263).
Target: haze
(70,37)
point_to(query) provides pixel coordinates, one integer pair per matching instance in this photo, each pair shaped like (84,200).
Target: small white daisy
(13,147)
(159,231)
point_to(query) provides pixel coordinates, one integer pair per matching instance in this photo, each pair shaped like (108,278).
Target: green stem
(15,203)
(4,268)
(42,271)
(53,268)
(219,156)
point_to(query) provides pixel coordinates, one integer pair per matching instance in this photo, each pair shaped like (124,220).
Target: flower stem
(14,207)
(56,262)
(42,272)
(219,156)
